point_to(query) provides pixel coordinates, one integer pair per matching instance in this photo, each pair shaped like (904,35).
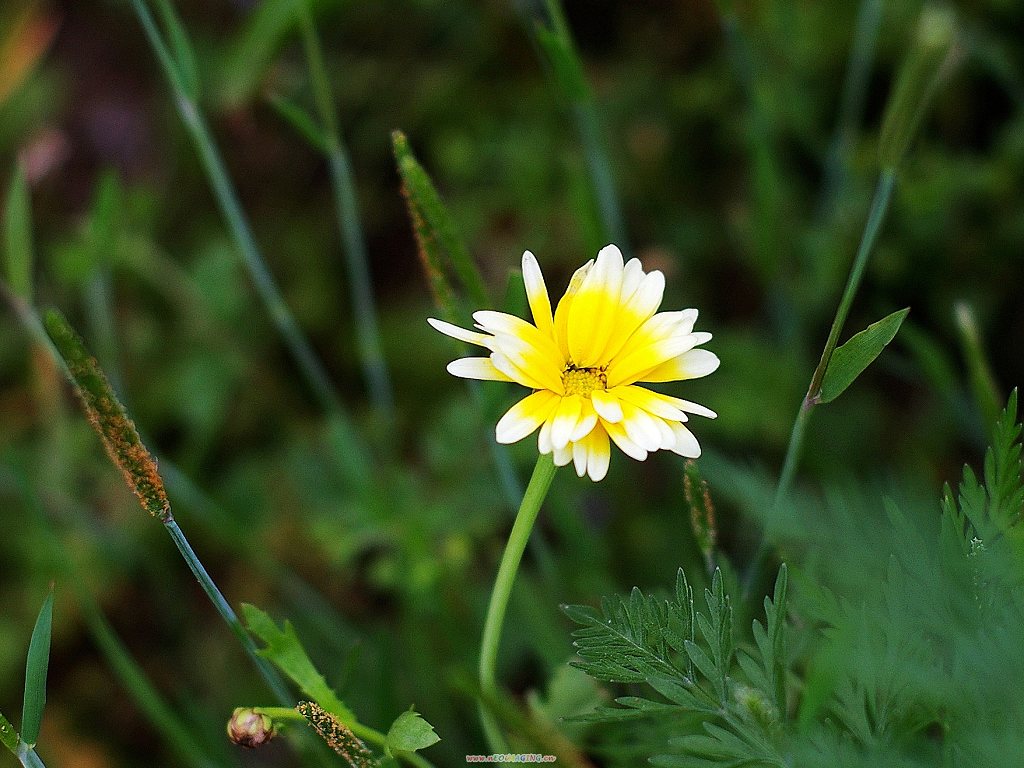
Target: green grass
(211,198)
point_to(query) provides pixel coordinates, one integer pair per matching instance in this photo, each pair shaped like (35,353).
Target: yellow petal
(476,368)
(515,372)
(625,369)
(635,309)
(537,295)
(565,304)
(525,416)
(537,365)
(595,307)
(690,365)
(504,324)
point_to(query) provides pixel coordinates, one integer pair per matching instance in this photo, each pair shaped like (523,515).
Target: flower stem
(537,489)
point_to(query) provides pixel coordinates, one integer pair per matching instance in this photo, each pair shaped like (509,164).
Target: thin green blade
(18,235)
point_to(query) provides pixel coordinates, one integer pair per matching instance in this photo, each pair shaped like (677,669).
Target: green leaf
(8,736)
(851,359)
(35,673)
(565,64)
(301,121)
(18,235)
(284,649)
(252,51)
(410,733)
(181,49)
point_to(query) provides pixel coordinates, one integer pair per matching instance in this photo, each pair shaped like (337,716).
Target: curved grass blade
(35,673)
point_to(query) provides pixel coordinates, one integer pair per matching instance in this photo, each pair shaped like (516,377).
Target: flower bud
(250,728)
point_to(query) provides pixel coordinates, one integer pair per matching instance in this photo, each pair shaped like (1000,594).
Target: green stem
(163,718)
(310,366)
(28,757)
(851,106)
(536,490)
(346,206)
(269,674)
(879,207)
(588,125)
(979,372)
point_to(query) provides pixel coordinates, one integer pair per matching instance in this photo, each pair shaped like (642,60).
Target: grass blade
(224,192)
(18,235)
(121,440)
(346,205)
(35,673)
(557,44)
(133,678)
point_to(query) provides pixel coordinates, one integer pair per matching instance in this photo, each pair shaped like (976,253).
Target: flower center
(583,381)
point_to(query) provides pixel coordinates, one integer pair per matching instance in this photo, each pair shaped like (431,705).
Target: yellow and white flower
(585,361)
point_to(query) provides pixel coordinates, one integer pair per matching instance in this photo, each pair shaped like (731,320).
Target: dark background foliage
(721,184)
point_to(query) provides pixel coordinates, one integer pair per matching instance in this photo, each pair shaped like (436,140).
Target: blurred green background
(718,130)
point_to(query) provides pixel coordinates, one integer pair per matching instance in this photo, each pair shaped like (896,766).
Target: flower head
(585,362)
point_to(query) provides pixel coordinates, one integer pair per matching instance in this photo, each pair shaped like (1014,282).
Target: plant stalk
(346,204)
(536,491)
(299,346)
(879,207)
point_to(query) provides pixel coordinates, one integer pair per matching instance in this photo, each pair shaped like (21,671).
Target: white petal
(470,337)
(695,408)
(544,438)
(579,458)
(476,368)
(668,436)
(686,444)
(588,420)
(525,416)
(641,427)
(632,274)
(627,446)
(599,454)
(564,420)
(689,365)
(607,406)
(562,456)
